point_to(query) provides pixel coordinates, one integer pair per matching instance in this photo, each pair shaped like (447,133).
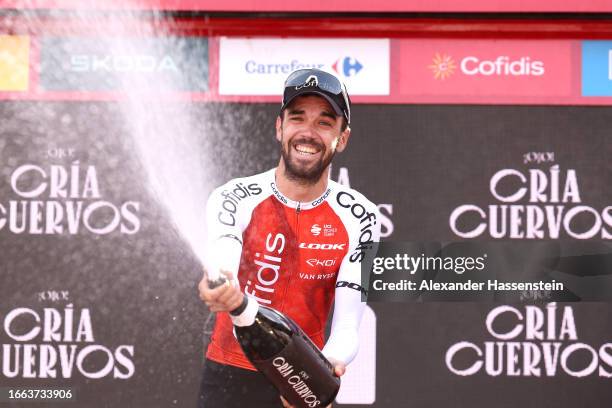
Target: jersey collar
(297,204)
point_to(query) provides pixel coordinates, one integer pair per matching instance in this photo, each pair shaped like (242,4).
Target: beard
(305,174)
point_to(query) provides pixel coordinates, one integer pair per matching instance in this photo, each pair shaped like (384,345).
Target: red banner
(518,6)
(485,68)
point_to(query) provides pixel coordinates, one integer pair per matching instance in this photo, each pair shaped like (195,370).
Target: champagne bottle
(283,353)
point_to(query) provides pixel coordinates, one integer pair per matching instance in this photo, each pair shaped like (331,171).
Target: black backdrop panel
(132,289)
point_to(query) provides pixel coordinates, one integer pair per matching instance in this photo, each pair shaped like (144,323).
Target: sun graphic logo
(443,66)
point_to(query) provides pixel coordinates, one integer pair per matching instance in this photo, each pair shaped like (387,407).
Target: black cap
(318,82)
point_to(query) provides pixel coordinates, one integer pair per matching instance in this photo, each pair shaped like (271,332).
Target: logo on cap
(310,81)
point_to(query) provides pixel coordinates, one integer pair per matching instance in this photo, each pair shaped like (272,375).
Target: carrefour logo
(443,66)
(258,67)
(347,66)
(344,66)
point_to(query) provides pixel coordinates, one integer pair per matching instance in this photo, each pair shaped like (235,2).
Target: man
(291,239)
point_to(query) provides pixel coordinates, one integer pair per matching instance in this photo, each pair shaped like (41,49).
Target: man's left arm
(343,343)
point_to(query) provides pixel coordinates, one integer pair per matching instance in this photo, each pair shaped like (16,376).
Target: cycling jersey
(294,257)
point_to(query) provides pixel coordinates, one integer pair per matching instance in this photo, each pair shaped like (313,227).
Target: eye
(325,123)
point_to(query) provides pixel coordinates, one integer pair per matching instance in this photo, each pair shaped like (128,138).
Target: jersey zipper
(297,222)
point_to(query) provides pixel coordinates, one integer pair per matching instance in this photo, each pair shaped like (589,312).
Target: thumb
(228,275)
(339,369)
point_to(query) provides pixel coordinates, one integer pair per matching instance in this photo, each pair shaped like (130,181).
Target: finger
(285,403)
(227,295)
(236,300)
(216,307)
(230,300)
(228,275)
(203,285)
(233,301)
(216,293)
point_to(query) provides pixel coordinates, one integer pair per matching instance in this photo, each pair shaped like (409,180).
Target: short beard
(304,177)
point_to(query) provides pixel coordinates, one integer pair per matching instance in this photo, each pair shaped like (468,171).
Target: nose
(308,130)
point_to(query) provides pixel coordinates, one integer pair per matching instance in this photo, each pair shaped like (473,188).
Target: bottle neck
(269,334)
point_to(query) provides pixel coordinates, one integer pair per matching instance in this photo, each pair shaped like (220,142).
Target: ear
(343,139)
(279,132)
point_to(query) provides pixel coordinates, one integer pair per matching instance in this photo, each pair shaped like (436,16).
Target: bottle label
(302,374)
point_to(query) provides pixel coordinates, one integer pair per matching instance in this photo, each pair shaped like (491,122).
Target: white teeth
(305,149)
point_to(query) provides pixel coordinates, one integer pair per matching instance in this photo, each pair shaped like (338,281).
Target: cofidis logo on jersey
(597,68)
(485,68)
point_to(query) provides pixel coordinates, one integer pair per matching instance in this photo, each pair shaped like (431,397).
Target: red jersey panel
(290,253)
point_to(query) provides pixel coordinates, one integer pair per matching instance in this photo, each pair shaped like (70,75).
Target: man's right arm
(224,235)
(222,254)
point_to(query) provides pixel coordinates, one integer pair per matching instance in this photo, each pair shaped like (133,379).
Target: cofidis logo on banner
(260,66)
(597,68)
(485,68)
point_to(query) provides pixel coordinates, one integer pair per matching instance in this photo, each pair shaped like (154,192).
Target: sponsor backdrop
(99,293)
(486,68)
(382,70)
(260,66)
(106,64)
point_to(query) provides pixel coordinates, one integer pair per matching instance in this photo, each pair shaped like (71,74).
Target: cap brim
(333,103)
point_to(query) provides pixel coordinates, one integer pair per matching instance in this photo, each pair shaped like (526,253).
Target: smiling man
(291,239)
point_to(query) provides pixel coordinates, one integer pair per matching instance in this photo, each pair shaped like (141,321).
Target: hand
(339,370)
(287,405)
(339,367)
(224,298)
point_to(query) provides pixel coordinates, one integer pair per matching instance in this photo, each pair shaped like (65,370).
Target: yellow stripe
(14,62)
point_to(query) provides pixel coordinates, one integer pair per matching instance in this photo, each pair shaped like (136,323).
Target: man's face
(310,135)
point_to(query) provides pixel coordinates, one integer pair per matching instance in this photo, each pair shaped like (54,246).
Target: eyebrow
(329,115)
(325,113)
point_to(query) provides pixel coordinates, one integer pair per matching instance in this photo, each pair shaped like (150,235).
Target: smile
(306,150)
